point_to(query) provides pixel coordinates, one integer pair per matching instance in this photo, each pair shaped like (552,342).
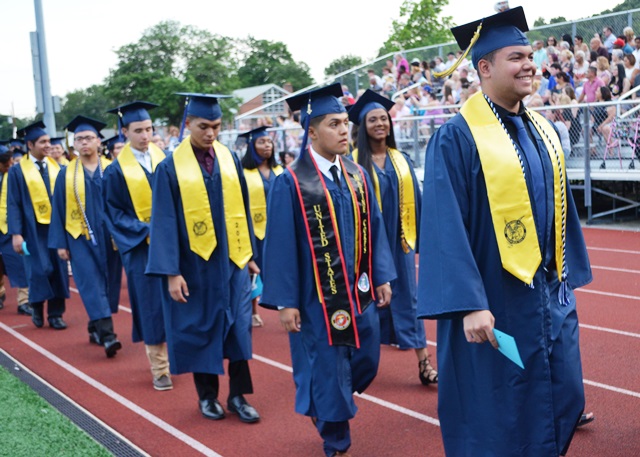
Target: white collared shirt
(143,158)
(35,161)
(325,165)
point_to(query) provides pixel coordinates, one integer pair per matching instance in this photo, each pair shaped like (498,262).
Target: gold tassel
(453,67)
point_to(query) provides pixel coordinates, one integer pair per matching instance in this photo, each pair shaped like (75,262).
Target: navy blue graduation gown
(97,270)
(488,406)
(46,273)
(215,323)
(130,235)
(325,376)
(13,262)
(398,322)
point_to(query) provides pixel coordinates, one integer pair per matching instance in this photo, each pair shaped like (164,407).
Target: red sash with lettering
(330,271)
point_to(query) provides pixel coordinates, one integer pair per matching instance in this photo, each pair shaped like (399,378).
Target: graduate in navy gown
(12,261)
(326,261)
(396,189)
(202,246)
(30,187)
(127,192)
(502,249)
(80,235)
(260,170)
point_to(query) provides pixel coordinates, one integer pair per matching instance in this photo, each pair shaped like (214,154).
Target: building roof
(249,93)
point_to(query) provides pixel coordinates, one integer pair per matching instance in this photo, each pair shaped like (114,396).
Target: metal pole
(587,164)
(49,116)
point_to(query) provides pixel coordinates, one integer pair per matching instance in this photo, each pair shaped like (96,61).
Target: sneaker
(162,383)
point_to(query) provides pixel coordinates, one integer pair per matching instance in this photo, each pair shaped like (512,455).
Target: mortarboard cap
(3,149)
(33,131)
(16,142)
(85,124)
(205,106)
(368,101)
(490,34)
(4,142)
(317,102)
(132,112)
(111,142)
(255,133)
(57,140)
(17,153)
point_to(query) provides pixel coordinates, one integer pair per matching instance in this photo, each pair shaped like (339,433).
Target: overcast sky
(83,34)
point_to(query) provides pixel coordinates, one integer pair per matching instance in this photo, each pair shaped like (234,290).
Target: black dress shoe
(57,323)
(37,318)
(2,301)
(111,347)
(244,410)
(25,309)
(211,409)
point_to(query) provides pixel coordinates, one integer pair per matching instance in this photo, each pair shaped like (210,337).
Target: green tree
(342,64)
(91,102)
(268,62)
(420,24)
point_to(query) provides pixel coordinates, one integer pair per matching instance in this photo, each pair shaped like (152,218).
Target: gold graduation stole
(406,198)
(197,209)
(258,199)
(74,216)
(37,189)
(509,201)
(63,161)
(332,281)
(3,204)
(136,179)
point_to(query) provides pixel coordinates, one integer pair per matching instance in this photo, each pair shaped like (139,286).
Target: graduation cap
(368,101)
(251,136)
(33,131)
(85,124)
(205,106)
(16,142)
(57,140)
(132,112)
(3,149)
(489,34)
(109,143)
(4,142)
(18,153)
(316,103)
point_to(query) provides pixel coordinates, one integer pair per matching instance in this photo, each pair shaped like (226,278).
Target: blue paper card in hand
(507,345)
(256,286)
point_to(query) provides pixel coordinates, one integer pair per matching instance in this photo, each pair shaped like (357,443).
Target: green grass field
(29,426)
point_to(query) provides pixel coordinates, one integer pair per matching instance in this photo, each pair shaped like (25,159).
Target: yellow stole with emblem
(509,201)
(197,209)
(36,187)
(3,204)
(136,179)
(406,197)
(258,199)
(76,205)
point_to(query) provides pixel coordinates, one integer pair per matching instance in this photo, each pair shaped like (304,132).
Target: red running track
(397,416)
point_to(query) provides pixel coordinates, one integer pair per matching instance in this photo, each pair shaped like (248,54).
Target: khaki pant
(158,358)
(23,295)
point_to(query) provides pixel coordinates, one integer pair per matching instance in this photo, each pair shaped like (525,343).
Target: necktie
(536,171)
(336,176)
(40,166)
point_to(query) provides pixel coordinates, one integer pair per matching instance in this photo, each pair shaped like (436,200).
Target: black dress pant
(207,384)
(55,307)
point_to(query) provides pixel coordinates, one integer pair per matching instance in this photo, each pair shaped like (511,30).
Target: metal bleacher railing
(615,158)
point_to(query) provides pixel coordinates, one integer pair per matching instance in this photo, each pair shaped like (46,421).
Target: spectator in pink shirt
(590,86)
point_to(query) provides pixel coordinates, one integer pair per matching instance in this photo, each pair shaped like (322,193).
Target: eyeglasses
(81,139)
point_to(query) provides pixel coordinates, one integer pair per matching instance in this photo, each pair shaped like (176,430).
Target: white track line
(622,251)
(612,388)
(121,437)
(608,294)
(198,446)
(610,330)
(621,270)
